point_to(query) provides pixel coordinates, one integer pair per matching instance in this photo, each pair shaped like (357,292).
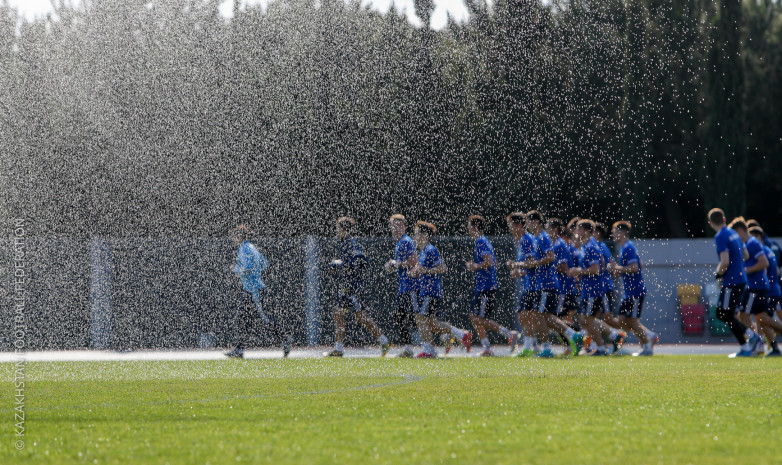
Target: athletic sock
(613,334)
(749,333)
(485,344)
(338,347)
(593,345)
(504,331)
(745,346)
(569,333)
(527,343)
(428,348)
(383,340)
(546,345)
(457,332)
(602,348)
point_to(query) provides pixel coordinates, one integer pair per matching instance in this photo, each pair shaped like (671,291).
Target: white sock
(546,346)
(592,345)
(457,332)
(383,339)
(527,343)
(504,331)
(407,349)
(428,348)
(485,343)
(338,347)
(648,345)
(613,334)
(569,333)
(749,333)
(745,346)
(650,334)
(602,348)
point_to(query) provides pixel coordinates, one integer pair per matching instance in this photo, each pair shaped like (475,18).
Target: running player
(483,265)
(629,268)
(430,292)
(250,263)
(730,271)
(528,299)
(548,283)
(350,267)
(753,300)
(567,306)
(601,232)
(774,294)
(405,258)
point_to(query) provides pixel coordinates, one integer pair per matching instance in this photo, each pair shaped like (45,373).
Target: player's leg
(728,306)
(366,321)
(243,325)
(404,316)
(552,306)
(271,322)
(423,322)
(528,318)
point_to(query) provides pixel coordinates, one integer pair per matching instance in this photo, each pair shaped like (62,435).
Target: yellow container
(689,290)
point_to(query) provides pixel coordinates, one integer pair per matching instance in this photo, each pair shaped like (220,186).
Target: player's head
(756,232)
(716,218)
(516,223)
(345,227)
(585,229)
(739,224)
(398,225)
(555,227)
(753,223)
(571,225)
(621,231)
(534,221)
(601,231)
(476,225)
(423,233)
(239,234)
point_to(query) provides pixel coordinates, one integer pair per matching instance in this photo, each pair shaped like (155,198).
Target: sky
(31,9)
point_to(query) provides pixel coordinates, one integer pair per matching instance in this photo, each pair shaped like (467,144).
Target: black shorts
(632,307)
(430,306)
(483,304)
(567,303)
(609,298)
(730,298)
(594,306)
(753,301)
(549,302)
(407,302)
(530,301)
(348,301)
(774,304)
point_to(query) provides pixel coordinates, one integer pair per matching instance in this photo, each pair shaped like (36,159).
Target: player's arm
(488,262)
(745,253)
(549,258)
(722,267)
(630,268)
(562,267)
(762,264)
(593,270)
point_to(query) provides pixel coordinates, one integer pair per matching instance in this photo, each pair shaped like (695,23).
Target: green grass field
(666,409)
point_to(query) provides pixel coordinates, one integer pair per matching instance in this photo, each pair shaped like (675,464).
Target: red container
(693,318)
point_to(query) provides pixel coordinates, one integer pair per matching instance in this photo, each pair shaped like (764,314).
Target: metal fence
(135,293)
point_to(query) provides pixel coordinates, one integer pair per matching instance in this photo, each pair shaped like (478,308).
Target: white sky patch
(32,9)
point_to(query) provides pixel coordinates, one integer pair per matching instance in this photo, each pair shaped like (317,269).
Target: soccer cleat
(587,344)
(655,339)
(467,340)
(236,353)
(646,352)
(407,353)
(754,342)
(384,349)
(513,340)
(546,353)
(774,353)
(526,353)
(426,355)
(620,339)
(334,353)
(487,353)
(741,353)
(449,344)
(575,343)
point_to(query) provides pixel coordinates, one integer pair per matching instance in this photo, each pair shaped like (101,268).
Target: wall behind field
(169,292)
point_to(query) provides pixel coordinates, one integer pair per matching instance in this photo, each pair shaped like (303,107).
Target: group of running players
(564,285)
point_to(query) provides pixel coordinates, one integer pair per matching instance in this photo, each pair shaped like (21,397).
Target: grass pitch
(665,409)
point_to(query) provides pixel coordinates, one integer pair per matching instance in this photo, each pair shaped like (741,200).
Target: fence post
(100,293)
(312,289)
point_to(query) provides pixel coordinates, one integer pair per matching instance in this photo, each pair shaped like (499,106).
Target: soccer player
(528,298)
(768,242)
(730,270)
(547,283)
(629,268)
(405,258)
(350,267)
(250,263)
(593,289)
(601,232)
(483,265)
(567,306)
(774,295)
(430,292)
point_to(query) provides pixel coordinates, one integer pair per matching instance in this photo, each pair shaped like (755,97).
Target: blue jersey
(250,263)
(546,274)
(562,250)
(485,280)
(634,282)
(404,249)
(758,279)
(727,240)
(526,251)
(608,282)
(772,272)
(354,262)
(430,285)
(592,286)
